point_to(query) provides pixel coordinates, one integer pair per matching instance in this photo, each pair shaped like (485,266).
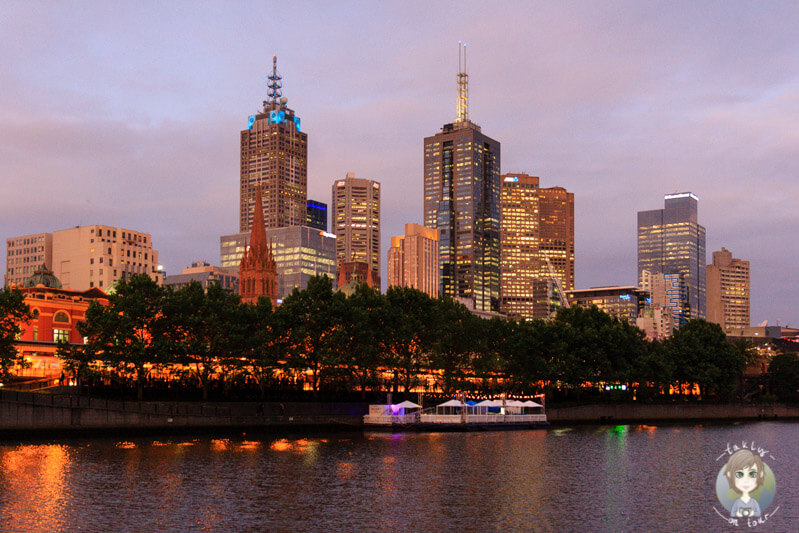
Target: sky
(129,113)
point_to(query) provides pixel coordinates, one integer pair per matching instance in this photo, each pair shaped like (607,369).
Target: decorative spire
(257,230)
(463,85)
(275,85)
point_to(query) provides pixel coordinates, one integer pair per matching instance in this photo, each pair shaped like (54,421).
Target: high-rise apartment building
(461,202)
(356,223)
(728,291)
(671,242)
(413,260)
(274,155)
(25,255)
(537,246)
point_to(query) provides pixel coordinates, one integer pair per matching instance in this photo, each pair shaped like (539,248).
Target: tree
(313,319)
(784,376)
(456,336)
(13,312)
(131,332)
(700,353)
(408,335)
(209,330)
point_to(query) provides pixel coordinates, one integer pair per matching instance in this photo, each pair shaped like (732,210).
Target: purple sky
(128,114)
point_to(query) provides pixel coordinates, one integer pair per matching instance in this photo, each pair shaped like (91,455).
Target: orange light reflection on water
(34,487)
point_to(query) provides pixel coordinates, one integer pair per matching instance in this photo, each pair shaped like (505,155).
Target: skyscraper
(461,202)
(316,216)
(274,155)
(671,242)
(537,246)
(728,291)
(356,223)
(413,260)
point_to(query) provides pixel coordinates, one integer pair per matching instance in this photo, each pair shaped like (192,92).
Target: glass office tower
(671,242)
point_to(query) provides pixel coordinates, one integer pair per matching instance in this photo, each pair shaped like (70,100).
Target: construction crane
(564,302)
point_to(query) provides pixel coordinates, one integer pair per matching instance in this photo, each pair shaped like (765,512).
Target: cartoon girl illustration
(745,473)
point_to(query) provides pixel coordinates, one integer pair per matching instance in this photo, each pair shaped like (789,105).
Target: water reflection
(607,478)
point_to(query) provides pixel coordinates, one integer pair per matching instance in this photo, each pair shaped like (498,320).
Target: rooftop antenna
(463,85)
(275,85)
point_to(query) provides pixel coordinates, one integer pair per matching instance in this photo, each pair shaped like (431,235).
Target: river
(582,478)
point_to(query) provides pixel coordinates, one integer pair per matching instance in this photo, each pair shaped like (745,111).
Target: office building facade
(316,215)
(728,291)
(274,156)
(300,253)
(461,202)
(413,260)
(85,256)
(205,274)
(25,255)
(537,246)
(356,223)
(671,242)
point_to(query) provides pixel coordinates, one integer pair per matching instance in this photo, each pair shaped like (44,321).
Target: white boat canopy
(531,403)
(451,403)
(406,405)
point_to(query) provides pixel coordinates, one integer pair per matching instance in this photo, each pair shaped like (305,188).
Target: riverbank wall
(43,414)
(678,412)
(36,413)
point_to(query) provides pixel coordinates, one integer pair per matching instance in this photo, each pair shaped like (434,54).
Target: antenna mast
(275,85)
(463,85)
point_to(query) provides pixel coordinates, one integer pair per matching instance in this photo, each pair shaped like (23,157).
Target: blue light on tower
(251,122)
(297,123)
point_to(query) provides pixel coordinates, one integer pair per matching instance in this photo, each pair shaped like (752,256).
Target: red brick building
(56,313)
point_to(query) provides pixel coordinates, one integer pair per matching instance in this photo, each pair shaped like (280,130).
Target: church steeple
(258,269)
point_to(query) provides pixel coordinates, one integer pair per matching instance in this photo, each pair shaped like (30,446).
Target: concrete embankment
(613,413)
(22,412)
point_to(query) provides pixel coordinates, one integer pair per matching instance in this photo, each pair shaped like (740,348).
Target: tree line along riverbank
(323,341)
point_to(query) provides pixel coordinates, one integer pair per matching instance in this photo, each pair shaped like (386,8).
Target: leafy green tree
(131,332)
(452,350)
(784,376)
(313,319)
(13,312)
(700,353)
(527,350)
(209,330)
(363,335)
(268,343)
(408,334)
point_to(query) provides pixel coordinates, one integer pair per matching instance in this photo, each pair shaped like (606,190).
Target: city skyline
(619,104)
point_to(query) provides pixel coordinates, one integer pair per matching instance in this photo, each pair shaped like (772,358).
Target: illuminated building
(56,312)
(205,274)
(274,155)
(24,255)
(316,215)
(413,260)
(351,274)
(258,270)
(537,241)
(624,303)
(671,242)
(461,202)
(728,291)
(300,253)
(356,223)
(86,256)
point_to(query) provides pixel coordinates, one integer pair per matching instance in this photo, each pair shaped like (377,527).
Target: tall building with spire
(258,269)
(462,203)
(274,155)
